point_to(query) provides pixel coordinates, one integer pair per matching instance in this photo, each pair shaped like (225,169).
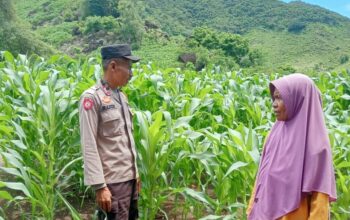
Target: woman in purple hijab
(296,178)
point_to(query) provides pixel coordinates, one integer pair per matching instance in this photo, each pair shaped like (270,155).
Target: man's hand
(104,199)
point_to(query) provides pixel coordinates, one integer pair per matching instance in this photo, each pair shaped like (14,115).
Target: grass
(319,47)
(162,52)
(41,12)
(57,35)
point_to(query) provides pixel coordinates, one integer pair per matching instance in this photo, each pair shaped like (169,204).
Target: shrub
(100,8)
(296,27)
(96,23)
(344,58)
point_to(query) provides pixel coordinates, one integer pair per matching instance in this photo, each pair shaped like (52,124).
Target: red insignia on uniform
(88,103)
(106,90)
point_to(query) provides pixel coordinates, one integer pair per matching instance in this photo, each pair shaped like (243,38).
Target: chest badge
(106,99)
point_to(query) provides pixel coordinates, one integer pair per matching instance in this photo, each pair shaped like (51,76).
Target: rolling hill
(294,34)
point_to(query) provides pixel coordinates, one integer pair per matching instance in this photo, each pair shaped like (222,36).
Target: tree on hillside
(15,36)
(232,45)
(100,8)
(132,25)
(6,13)
(296,27)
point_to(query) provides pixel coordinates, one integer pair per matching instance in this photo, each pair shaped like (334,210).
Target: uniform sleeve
(319,206)
(88,116)
(99,186)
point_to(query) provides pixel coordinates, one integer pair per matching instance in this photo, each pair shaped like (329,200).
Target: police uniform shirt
(107,141)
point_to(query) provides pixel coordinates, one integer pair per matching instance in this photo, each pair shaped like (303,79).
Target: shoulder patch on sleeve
(88,103)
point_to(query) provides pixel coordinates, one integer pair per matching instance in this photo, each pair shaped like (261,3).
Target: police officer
(107,140)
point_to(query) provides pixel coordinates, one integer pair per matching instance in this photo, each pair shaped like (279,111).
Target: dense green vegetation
(198,133)
(232,45)
(101,8)
(286,34)
(15,36)
(198,136)
(238,16)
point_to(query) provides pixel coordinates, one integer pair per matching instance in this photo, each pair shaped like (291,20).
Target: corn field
(198,134)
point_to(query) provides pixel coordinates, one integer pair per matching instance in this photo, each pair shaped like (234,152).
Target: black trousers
(124,202)
(133,213)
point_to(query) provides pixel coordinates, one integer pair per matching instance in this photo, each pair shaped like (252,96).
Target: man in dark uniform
(107,140)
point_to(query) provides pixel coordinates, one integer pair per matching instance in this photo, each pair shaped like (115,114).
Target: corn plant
(198,135)
(43,153)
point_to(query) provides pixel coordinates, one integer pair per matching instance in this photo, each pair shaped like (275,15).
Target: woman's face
(278,107)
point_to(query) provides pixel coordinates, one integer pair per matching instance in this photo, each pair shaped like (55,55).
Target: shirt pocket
(112,123)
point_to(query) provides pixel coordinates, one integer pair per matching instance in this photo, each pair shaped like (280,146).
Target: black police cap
(118,51)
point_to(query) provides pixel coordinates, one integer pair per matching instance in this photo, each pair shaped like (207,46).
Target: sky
(340,6)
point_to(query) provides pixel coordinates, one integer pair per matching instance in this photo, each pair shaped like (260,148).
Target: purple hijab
(297,158)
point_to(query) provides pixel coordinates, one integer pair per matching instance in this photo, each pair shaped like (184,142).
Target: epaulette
(92,90)
(126,97)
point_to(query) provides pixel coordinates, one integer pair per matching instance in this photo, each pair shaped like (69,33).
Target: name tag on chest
(106,107)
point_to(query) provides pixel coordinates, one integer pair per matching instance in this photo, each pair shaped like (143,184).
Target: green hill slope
(296,34)
(238,16)
(15,35)
(319,47)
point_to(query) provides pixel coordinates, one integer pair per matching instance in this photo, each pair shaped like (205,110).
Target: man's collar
(105,87)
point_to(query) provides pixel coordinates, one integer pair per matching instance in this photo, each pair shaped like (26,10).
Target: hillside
(17,36)
(238,16)
(319,47)
(296,34)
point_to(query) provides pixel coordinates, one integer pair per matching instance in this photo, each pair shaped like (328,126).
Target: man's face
(120,72)
(278,106)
